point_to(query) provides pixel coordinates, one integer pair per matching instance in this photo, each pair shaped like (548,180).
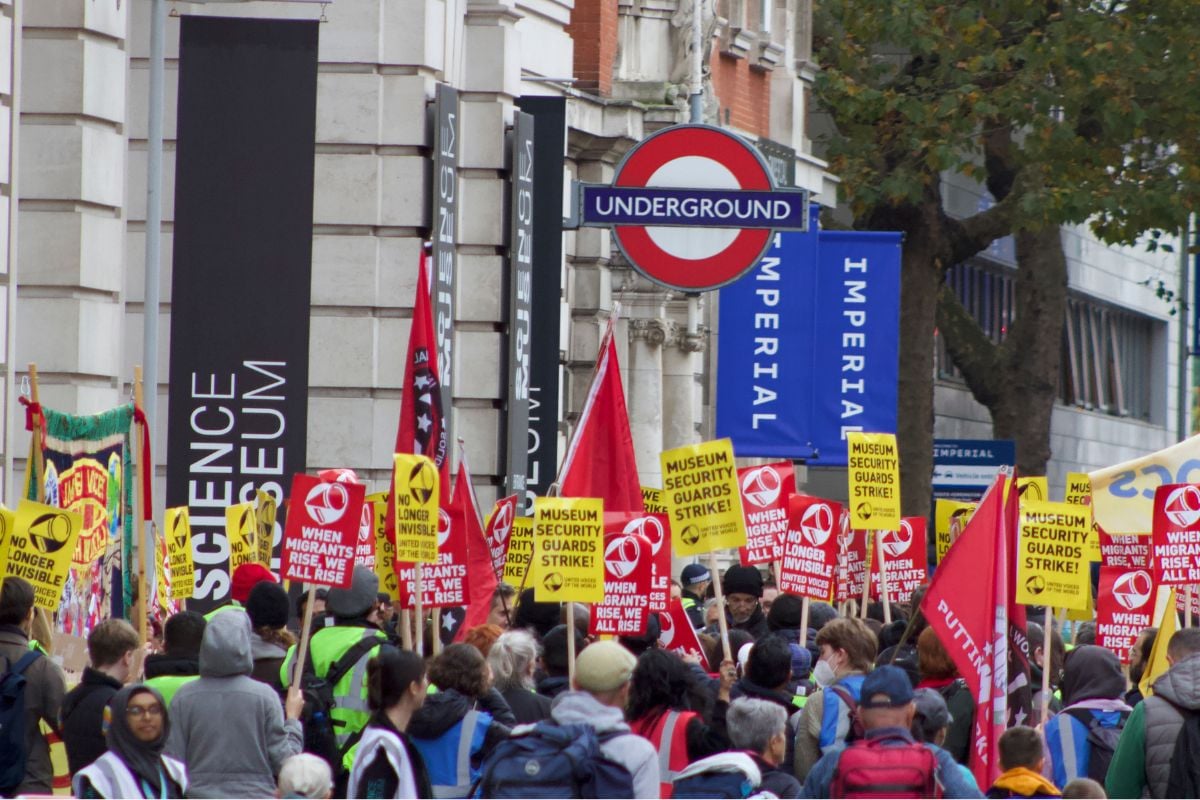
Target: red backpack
(886,767)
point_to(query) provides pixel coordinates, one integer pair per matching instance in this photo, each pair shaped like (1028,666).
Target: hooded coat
(1091,693)
(629,750)
(227,727)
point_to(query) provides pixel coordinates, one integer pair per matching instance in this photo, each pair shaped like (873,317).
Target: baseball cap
(890,681)
(604,666)
(694,573)
(932,707)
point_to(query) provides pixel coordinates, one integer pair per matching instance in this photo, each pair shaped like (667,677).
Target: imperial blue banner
(809,345)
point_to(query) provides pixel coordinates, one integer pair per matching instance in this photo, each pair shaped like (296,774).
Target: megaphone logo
(326,503)
(1133,589)
(690,535)
(366,523)
(502,522)
(1183,506)
(762,486)
(649,527)
(897,542)
(621,556)
(817,524)
(667,630)
(553,582)
(50,532)
(443,532)
(421,482)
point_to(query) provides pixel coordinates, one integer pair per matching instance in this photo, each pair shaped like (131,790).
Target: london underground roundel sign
(692,207)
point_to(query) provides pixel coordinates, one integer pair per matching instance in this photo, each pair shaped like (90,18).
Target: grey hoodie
(227,727)
(631,751)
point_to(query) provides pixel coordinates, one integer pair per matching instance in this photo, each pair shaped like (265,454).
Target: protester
(785,618)
(932,719)
(267,607)
(501,612)
(712,614)
(385,762)
(244,578)
(458,725)
(743,588)
(339,653)
(759,727)
(1142,760)
(136,728)
(318,615)
(676,590)
(1139,658)
(513,659)
(647,641)
(482,637)
(671,710)
(887,712)
(1021,758)
(770,592)
(1084,788)
(540,618)
(847,649)
(179,663)
(555,661)
(694,581)
(227,727)
(112,651)
(1038,662)
(603,673)
(1082,737)
(44,686)
(1085,633)
(305,776)
(939,673)
(386,612)
(768,673)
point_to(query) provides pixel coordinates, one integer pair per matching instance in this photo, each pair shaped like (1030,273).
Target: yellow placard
(873,469)
(654,501)
(179,552)
(568,549)
(1087,612)
(700,489)
(1051,568)
(1079,493)
(264,515)
(1033,489)
(520,551)
(7,522)
(416,485)
(385,551)
(40,547)
(242,529)
(950,518)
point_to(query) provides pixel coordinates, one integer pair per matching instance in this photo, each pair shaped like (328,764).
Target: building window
(1110,356)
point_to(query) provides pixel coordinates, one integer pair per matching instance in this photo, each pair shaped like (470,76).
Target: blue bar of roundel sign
(799,369)
(729,208)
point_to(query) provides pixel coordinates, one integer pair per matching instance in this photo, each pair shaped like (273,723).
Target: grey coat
(1178,688)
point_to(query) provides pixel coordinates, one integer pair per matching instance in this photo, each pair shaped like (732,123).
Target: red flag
(967,604)
(483,581)
(678,635)
(600,460)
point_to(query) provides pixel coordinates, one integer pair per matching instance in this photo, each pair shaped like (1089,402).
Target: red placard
(656,528)
(1125,607)
(1124,552)
(1176,536)
(444,583)
(364,549)
(499,527)
(810,553)
(678,635)
(626,607)
(907,559)
(765,491)
(852,561)
(321,533)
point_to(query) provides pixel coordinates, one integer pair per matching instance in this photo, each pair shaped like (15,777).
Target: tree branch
(975,355)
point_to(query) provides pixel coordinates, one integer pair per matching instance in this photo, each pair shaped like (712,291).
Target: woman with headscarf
(1082,738)
(135,730)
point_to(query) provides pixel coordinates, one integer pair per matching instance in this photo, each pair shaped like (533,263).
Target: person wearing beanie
(267,607)
(785,618)
(341,652)
(244,578)
(598,697)
(536,617)
(743,588)
(179,663)
(694,582)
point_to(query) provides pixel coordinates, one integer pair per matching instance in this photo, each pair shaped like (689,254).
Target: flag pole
(571,647)
(139,544)
(418,590)
(35,446)
(719,593)
(1187,606)
(1047,664)
(884,589)
(866,592)
(436,627)
(804,604)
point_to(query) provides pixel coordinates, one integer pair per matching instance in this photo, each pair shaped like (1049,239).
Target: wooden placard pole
(804,622)
(571,648)
(39,458)
(139,506)
(436,626)
(406,633)
(866,592)
(1047,664)
(1187,606)
(884,591)
(419,608)
(297,677)
(719,593)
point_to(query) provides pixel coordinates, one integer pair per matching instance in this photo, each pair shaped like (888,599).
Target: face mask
(823,674)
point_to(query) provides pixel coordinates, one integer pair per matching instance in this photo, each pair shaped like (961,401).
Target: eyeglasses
(144,711)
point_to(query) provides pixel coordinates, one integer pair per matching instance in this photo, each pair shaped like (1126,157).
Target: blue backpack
(12,723)
(554,761)
(712,785)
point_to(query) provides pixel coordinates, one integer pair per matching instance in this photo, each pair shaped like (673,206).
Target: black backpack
(856,731)
(1184,778)
(1102,742)
(12,723)
(551,760)
(320,738)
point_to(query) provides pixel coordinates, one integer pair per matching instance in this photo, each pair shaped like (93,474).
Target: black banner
(520,299)
(445,242)
(550,132)
(241,273)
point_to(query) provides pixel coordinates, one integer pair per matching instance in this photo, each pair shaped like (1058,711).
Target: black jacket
(696,612)
(527,707)
(778,782)
(160,664)
(83,718)
(553,685)
(756,625)
(379,779)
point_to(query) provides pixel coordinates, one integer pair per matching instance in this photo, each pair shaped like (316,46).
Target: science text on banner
(416,488)
(810,553)
(1051,566)
(568,549)
(701,489)
(321,531)
(40,547)
(241,527)
(1079,493)
(873,469)
(1176,534)
(179,552)
(950,519)
(765,491)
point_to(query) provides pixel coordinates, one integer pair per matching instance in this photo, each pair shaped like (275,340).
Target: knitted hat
(246,577)
(267,606)
(358,599)
(743,580)
(786,614)
(603,667)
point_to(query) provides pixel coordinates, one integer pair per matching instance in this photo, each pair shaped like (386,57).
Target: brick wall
(593,29)
(744,94)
